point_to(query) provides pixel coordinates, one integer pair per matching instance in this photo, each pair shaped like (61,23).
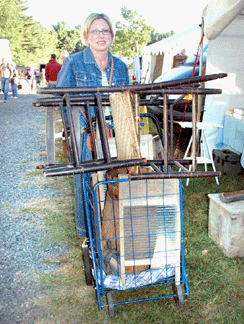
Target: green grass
(216,282)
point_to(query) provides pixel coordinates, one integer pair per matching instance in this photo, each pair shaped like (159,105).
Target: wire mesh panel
(150,230)
(150,234)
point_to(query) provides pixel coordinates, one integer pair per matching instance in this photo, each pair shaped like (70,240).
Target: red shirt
(51,70)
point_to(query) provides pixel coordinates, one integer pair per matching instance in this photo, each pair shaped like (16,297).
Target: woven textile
(140,279)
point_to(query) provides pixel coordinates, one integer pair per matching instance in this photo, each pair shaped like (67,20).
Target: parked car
(182,71)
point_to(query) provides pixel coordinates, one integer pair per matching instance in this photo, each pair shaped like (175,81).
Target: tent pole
(201,72)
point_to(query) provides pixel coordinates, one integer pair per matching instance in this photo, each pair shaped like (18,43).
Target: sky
(162,15)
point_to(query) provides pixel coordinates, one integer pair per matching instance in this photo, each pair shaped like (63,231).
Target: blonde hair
(89,20)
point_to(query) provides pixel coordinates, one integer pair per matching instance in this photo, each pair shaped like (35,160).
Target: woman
(93,67)
(14,80)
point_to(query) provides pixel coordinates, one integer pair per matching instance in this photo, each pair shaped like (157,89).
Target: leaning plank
(126,137)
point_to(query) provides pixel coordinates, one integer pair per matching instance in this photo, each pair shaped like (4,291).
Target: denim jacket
(81,70)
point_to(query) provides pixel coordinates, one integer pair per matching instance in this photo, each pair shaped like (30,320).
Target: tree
(12,21)
(155,37)
(39,46)
(133,30)
(69,39)
(30,43)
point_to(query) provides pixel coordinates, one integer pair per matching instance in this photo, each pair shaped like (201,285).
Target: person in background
(51,71)
(64,55)
(14,80)
(42,78)
(29,76)
(35,73)
(95,66)
(5,75)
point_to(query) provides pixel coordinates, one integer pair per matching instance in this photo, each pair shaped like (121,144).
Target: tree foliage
(12,21)
(69,39)
(11,17)
(30,43)
(156,37)
(133,29)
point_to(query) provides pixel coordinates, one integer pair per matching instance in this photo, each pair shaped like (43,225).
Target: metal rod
(155,168)
(194,132)
(133,88)
(165,128)
(94,151)
(94,167)
(178,91)
(72,130)
(172,162)
(101,161)
(81,100)
(174,175)
(157,124)
(102,129)
(181,166)
(171,131)
(50,167)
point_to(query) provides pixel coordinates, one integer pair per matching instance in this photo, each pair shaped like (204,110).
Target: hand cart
(135,220)
(136,237)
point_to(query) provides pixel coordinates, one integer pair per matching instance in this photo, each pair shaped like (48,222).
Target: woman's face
(99,37)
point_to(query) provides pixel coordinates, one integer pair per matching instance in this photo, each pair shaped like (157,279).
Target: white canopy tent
(5,51)
(224,28)
(157,58)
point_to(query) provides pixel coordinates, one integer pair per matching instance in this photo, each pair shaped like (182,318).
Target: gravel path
(22,139)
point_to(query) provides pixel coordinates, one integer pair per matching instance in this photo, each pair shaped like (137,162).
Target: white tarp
(225,54)
(5,51)
(219,14)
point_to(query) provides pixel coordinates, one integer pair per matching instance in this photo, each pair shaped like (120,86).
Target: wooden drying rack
(73,98)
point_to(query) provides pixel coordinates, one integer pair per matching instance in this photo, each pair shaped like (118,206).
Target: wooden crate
(226,225)
(177,60)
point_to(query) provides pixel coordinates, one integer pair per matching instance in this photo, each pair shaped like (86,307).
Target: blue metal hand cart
(136,237)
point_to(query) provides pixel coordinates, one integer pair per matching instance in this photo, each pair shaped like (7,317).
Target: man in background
(51,71)
(5,75)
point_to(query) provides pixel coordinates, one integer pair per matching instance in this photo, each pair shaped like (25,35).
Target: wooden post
(50,141)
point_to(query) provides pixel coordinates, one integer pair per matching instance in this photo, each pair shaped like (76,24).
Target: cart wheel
(179,296)
(110,304)
(87,265)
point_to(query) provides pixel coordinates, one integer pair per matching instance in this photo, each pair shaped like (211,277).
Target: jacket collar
(89,57)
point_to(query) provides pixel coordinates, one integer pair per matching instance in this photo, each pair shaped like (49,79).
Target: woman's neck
(101,59)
